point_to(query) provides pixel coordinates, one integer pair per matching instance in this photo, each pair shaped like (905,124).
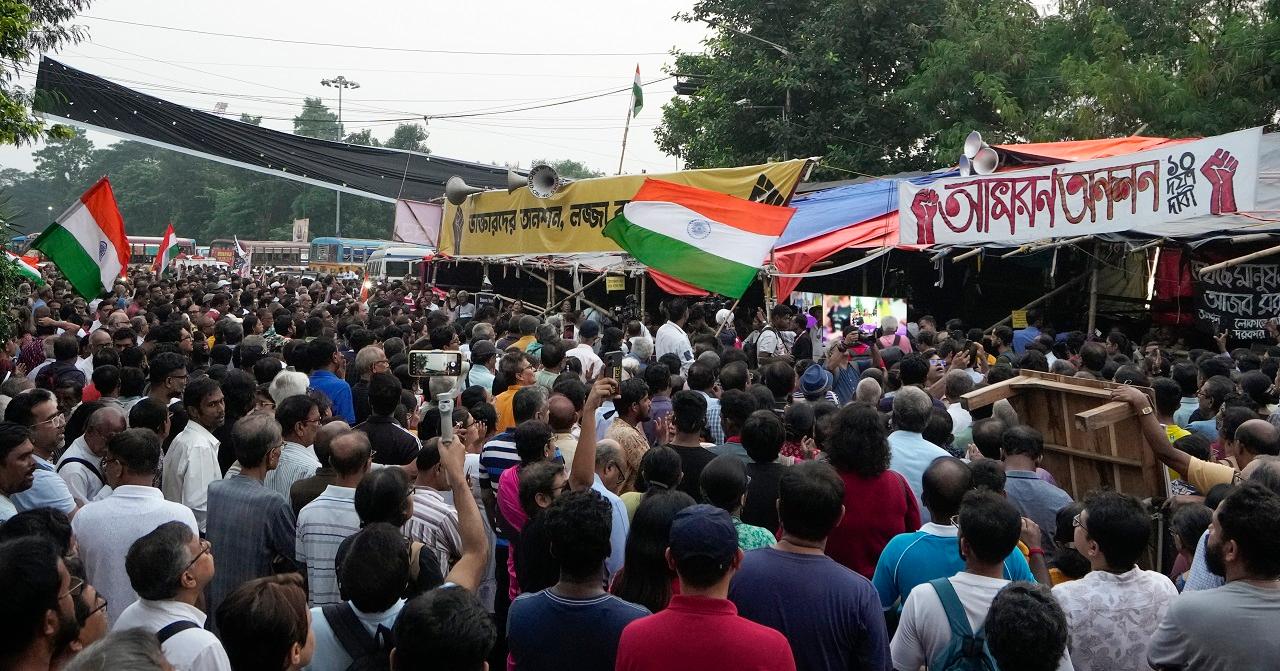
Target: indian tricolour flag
(637,94)
(87,243)
(167,253)
(27,271)
(711,240)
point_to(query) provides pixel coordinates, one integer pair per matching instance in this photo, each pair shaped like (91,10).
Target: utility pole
(340,82)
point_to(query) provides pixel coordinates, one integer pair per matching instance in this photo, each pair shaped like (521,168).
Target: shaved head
(1258,437)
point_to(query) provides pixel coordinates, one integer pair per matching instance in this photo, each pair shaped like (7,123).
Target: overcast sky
(270,78)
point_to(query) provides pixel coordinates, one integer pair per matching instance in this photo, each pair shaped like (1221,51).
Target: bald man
(306,490)
(81,464)
(562,417)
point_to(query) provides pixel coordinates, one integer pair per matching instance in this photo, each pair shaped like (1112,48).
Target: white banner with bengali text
(1214,175)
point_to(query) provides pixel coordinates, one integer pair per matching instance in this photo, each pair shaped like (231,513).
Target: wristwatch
(1146,410)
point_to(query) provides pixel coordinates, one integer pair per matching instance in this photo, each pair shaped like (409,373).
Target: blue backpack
(967,650)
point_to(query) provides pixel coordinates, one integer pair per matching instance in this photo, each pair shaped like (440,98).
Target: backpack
(367,652)
(967,650)
(57,372)
(751,348)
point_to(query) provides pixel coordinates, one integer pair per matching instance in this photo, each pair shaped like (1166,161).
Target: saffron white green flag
(167,253)
(711,240)
(26,270)
(87,243)
(637,94)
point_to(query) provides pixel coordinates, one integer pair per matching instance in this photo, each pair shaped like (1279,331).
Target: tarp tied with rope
(71,96)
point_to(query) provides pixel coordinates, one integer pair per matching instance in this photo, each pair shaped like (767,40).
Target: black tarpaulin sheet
(73,96)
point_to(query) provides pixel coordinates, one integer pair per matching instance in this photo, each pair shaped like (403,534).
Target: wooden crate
(1090,441)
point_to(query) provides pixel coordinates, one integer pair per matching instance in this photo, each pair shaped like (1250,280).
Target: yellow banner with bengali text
(497,223)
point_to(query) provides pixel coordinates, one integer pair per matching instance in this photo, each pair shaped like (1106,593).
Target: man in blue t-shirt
(917,557)
(828,612)
(574,624)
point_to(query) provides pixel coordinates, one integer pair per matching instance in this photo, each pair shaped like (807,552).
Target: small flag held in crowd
(87,243)
(28,272)
(167,253)
(242,261)
(709,239)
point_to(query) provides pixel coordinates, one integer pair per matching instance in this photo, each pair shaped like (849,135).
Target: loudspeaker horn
(516,181)
(966,166)
(456,190)
(973,144)
(544,181)
(986,161)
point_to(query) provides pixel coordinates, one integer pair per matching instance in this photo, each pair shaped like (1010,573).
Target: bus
(397,262)
(341,255)
(274,253)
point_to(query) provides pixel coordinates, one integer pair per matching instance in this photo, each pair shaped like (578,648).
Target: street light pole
(786,53)
(340,82)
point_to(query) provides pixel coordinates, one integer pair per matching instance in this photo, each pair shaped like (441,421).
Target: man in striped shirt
(325,522)
(434,522)
(299,419)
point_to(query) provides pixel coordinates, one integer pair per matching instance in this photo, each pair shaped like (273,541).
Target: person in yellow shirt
(520,373)
(1253,438)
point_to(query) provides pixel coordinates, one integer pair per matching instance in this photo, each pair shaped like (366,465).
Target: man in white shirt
(671,338)
(170,567)
(192,461)
(1114,609)
(299,418)
(106,529)
(79,466)
(331,517)
(584,352)
(775,341)
(988,529)
(909,453)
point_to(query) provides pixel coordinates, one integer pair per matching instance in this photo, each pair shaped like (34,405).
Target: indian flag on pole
(711,240)
(87,243)
(637,94)
(167,254)
(25,270)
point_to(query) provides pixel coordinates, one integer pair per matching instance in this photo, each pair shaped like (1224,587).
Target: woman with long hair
(660,472)
(645,578)
(879,504)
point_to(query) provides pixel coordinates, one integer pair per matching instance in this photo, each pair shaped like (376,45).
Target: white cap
(723,315)
(223,283)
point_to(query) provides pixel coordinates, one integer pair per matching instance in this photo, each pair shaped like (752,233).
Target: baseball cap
(589,329)
(703,531)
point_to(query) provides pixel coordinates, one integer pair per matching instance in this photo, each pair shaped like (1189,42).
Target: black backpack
(367,652)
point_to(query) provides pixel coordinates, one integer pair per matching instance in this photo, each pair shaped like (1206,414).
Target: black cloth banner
(1241,299)
(388,174)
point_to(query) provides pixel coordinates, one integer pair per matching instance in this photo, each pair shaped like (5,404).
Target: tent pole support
(1093,299)
(1070,283)
(1270,251)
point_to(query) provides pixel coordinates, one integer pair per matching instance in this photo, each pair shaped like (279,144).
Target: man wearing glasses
(169,568)
(35,413)
(105,529)
(38,587)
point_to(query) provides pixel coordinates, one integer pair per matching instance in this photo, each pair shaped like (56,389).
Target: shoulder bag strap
(349,631)
(174,628)
(87,464)
(954,608)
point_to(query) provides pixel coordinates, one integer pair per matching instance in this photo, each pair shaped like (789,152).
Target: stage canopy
(67,95)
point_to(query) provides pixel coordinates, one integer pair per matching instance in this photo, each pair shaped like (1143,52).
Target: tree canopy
(877,86)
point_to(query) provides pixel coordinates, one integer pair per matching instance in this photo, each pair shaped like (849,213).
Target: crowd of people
(235,474)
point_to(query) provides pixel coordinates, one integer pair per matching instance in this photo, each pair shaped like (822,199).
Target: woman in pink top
(533,443)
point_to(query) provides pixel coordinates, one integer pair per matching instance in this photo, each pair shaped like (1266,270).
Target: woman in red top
(878,502)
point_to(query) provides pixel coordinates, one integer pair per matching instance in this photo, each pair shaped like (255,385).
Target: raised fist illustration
(1220,170)
(925,207)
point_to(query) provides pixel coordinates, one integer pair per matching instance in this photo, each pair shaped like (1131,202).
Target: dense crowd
(217,473)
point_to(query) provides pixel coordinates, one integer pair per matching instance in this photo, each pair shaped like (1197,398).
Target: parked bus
(340,255)
(274,253)
(142,248)
(397,262)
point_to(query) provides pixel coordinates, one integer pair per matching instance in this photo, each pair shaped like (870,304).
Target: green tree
(29,28)
(364,137)
(251,120)
(570,169)
(315,120)
(411,136)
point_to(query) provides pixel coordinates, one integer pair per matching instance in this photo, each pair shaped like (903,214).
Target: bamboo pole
(1270,251)
(1070,283)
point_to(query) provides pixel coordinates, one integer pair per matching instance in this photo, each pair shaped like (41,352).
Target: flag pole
(625,129)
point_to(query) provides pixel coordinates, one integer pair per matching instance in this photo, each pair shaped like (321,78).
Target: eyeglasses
(106,461)
(57,420)
(73,587)
(1079,523)
(205,548)
(955,521)
(100,605)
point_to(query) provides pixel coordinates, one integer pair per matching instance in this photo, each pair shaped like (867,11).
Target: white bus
(397,262)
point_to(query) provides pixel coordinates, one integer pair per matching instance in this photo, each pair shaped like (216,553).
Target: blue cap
(703,531)
(589,329)
(816,380)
